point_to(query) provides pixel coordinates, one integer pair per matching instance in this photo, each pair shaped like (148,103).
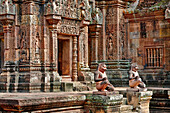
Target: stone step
(157,83)
(113,65)
(159,92)
(93,70)
(66,78)
(75,109)
(159,110)
(126,108)
(153,77)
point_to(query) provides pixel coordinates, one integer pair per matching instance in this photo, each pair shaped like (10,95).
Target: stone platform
(42,102)
(72,102)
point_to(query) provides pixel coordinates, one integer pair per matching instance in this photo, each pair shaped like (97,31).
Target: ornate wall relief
(23,45)
(111,41)
(30,21)
(69,8)
(69,27)
(122,39)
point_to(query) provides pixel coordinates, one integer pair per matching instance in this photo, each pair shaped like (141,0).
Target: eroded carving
(7,7)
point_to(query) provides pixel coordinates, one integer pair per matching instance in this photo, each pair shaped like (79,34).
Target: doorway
(64,59)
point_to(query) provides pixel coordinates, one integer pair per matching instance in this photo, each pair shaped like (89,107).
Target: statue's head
(134,66)
(102,67)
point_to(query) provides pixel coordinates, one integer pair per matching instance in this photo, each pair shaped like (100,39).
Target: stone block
(139,100)
(67,86)
(103,104)
(55,87)
(85,76)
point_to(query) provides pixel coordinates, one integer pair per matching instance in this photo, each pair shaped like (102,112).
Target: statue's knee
(104,82)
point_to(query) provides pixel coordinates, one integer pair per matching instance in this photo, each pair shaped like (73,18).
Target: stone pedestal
(139,100)
(103,104)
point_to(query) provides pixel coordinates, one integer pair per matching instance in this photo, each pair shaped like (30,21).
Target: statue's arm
(132,76)
(97,79)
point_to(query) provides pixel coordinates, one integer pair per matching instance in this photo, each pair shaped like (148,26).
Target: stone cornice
(118,3)
(143,16)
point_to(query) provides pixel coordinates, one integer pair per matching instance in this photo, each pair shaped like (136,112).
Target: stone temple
(56,45)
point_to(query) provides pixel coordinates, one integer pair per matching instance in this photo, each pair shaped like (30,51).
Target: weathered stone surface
(160,98)
(105,93)
(139,100)
(21,102)
(67,86)
(103,104)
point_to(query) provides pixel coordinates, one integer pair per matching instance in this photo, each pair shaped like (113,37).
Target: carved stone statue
(134,80)
(101,79)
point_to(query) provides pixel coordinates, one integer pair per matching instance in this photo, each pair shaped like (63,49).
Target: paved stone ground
(58,98)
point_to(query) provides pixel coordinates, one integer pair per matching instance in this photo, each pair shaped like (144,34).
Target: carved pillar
(83,45)
(7,42)
(74,76)
(112,12)
(86,47)
(7,16)
(8,50)
(94,35)
(104,32)
(53,46)
(102,38)
(118,32)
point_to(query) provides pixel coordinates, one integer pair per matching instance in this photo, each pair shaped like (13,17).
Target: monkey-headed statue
(101,79)
(134,80)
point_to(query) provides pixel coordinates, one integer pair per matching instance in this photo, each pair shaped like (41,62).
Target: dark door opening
(63,57)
